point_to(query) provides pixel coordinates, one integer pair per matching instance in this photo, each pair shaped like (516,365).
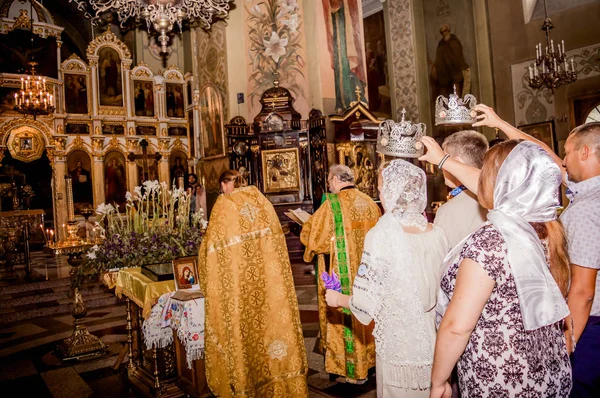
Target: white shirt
(581,220)
(460,216)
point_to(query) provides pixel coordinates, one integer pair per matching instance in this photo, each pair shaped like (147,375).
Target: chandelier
(551,69)
(163,14)
(34,99)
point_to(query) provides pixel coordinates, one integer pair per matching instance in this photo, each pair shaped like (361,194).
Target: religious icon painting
(109,77)
(26,144)
(77,129)
(281,170)
(177,131)
(113,129)
(79,167)
(76,93)
(211,123)
(115,179)
(145,130)
(178,166)
(185,273)
(175,100)
(543,131)
(143,98)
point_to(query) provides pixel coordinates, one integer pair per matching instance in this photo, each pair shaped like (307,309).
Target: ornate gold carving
(255,148)
(113,144)
(142,73)
(23,21)
(77,143)
(74,66)
(93,61)
(98,144)
(97,130)
(178,144)
(60,143)
(26,144)
(111,110)
(132,144)
(108,38)
(158,87)
(163,145)
(164,132)
(7,127)
(60,129)
(1,155)
(131,131)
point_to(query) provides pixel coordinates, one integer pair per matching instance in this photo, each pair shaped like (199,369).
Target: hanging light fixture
(163,14)
(551,69)
(34,99)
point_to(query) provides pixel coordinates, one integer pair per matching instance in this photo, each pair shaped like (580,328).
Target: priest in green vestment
(338,229)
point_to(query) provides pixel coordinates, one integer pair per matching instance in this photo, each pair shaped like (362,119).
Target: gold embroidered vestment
(253,336)
(360,213)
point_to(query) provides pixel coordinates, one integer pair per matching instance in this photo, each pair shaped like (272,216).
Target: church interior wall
(149,52)
(513,43)
(236,63)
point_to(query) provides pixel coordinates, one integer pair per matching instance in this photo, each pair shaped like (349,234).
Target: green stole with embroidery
(341,252)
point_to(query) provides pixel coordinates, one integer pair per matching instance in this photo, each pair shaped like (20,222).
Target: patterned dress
(502,359)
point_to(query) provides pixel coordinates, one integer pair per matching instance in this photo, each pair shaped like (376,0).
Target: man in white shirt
(581,220)
(462,215)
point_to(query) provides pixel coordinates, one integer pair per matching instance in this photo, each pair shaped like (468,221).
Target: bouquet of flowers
(156,227)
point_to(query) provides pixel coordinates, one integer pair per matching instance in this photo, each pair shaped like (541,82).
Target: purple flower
(331,282)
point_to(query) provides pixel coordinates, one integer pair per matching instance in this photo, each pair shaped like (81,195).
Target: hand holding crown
(487,117)
(434,153)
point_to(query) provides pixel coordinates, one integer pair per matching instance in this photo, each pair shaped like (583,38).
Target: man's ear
(584,152)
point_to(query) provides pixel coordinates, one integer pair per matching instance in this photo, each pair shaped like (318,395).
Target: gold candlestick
(72,225)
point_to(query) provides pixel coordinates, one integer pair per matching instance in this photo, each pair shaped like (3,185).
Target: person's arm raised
(468,175)
(487,117)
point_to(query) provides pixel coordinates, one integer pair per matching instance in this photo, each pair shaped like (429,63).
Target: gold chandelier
(34,98)
(551,69)
(161,14)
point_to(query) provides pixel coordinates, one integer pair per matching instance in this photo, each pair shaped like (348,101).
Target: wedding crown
(400,139)
(455,110)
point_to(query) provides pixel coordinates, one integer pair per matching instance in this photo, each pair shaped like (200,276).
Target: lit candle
(535,72)
(530,72)
(22,82)
(16,97)
(555,68)
(572,66)
(44,84)
(69,187)
(64,231)
(552,45)
(52,236)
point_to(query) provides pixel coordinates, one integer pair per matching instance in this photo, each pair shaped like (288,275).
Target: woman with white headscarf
(397,282)
(501,301)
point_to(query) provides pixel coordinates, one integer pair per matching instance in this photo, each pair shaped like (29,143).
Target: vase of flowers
(27,193)
(156,227)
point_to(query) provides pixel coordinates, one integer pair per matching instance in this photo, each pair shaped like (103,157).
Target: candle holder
(81,343)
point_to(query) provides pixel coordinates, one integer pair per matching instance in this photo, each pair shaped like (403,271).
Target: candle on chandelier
(552,45)
(530,72)
(572,66)
(22,82)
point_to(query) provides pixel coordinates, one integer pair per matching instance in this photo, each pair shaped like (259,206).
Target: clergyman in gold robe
(253,337)
(338,229)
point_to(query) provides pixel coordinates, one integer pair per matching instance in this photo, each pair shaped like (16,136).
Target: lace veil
(402,343)
(404,193)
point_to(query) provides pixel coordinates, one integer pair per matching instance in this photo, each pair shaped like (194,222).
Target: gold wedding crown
(400,139)
(455,110)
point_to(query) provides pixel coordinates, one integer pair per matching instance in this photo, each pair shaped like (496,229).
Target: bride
(397,283)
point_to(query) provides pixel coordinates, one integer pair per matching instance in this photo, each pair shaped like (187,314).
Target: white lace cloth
(184,317)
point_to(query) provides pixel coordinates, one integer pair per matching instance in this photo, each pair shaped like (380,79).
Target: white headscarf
(402,341)
(526,191)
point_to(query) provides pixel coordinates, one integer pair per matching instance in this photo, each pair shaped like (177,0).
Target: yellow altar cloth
(141,289)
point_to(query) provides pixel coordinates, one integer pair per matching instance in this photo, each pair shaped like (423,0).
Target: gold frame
(179,263)
(88,81)
(288,154)
(26,134)
(80,122)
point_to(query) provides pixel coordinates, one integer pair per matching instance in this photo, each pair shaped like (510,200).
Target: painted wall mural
(404,72)
(276,51)
(344,41)
(533,106)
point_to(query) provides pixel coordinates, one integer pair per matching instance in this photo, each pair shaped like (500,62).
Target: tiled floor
(29,364)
